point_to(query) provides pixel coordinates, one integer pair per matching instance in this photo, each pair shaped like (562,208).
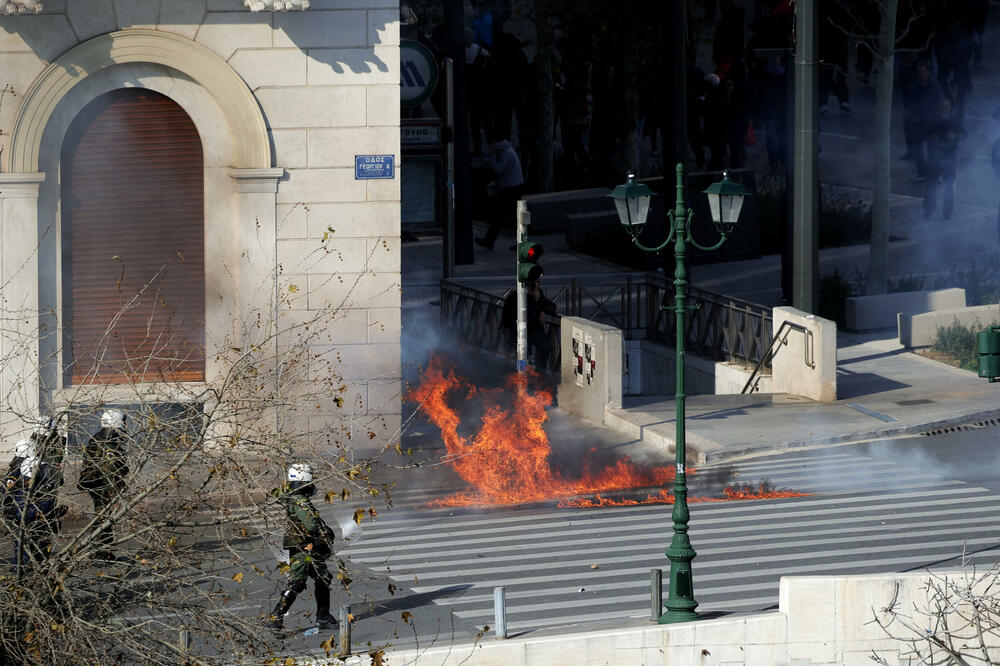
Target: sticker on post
(680,468)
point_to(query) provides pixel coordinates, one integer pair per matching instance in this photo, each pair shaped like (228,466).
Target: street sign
(418,73)
(370,167)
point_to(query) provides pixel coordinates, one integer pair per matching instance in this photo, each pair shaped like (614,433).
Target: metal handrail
(808,351)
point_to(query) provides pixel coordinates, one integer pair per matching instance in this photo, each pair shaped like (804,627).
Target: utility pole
(805,260)
(455,28)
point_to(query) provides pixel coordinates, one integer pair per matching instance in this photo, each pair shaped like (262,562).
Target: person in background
(920,102)
(103,475)
(30,512)
(504,167)
(943,134)
(538,308)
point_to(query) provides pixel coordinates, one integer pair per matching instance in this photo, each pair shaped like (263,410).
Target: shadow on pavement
(376,607)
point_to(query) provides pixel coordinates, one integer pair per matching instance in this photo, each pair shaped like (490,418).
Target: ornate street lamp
(632,201)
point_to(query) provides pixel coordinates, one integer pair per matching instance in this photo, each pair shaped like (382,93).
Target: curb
(705,451)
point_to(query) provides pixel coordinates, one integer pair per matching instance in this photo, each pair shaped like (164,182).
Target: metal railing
(719,327)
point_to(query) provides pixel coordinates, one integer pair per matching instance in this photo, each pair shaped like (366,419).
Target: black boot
(323,618)
(276,621)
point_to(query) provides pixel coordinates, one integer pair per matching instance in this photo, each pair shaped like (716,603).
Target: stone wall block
(337,147)
(366,290)
(90,18)
(320,186)
(270,67)
(354,219)
(225,32)
(357,66)
(308,29)
(383,105)
(182,18)
(290,148)
(47,35)
(383,27)
(137,13)
(292,220)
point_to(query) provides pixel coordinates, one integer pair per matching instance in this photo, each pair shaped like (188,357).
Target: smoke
(349,530)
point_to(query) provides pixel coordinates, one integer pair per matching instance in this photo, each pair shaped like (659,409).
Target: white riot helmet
(25,448)
(28,466)
(300,473)
(114,419)
(43,426)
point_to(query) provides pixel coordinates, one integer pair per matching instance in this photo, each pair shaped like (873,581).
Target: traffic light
(528,254)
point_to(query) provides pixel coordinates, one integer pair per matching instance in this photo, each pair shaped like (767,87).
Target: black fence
(718,327)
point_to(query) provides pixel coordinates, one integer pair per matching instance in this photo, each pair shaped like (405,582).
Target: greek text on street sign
(368,167)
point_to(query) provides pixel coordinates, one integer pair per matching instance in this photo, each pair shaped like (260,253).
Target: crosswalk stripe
(622,519)
(531,558)
(702,575)
(700,535)
(623,558)
(415,523)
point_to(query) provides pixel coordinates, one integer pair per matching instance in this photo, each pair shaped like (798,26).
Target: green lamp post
(725,200)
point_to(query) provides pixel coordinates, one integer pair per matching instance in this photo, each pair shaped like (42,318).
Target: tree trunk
(546,108)
(878,253)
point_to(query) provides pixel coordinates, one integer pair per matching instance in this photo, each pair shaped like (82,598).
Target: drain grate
(908,403)
(989,423)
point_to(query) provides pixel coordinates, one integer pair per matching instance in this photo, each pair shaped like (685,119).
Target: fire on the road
(508,459)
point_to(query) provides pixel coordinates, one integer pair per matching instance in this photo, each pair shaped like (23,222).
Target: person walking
(103,475)
(504,166)
(309,542)
(943,134)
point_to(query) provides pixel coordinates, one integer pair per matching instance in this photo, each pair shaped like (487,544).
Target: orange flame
(507,461)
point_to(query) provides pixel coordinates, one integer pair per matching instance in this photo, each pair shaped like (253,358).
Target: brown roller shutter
(133,242)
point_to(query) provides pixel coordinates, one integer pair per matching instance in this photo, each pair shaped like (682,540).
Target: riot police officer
(104,470)
(29,503)
(309,543)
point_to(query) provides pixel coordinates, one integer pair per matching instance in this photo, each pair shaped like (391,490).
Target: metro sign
(418,73)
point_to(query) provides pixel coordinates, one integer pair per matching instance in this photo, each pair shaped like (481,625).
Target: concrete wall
(820,620)
(920,330)
(866,313)
(651,369)
(791,371)
(591,371)
(326,83)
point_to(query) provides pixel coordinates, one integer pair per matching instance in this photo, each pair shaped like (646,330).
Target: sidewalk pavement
(883,390)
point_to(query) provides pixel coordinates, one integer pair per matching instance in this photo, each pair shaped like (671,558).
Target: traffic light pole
(523,221)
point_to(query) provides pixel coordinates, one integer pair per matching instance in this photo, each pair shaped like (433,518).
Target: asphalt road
(881,507)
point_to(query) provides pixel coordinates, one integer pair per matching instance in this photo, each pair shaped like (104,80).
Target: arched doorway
(132,241)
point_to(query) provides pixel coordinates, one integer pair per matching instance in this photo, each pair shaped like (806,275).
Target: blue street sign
(367,167)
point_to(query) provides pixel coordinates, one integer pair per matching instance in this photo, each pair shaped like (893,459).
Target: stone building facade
(283,102)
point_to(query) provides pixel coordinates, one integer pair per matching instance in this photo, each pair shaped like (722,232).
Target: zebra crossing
(567,566)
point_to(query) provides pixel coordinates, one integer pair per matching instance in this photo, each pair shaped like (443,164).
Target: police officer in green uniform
(309,543)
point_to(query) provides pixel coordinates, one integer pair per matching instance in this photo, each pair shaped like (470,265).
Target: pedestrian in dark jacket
(29,504)
(309,542)
(504,167)
(943,134)
(538,307)
(105,469)
(920,102)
